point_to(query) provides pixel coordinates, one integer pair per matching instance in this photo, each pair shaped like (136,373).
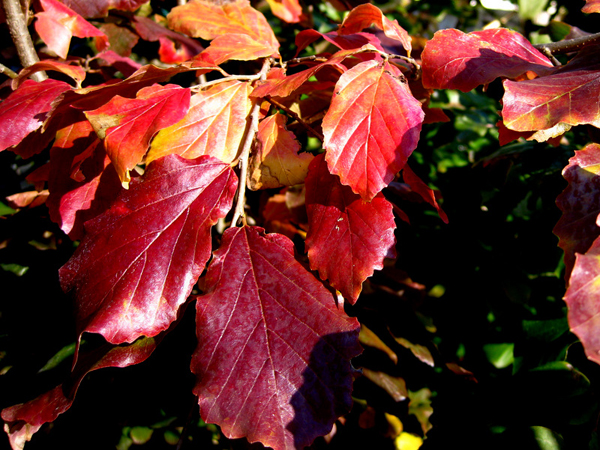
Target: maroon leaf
(99,8)
(417,185)
(274,350)
(371,128)
(128,125)
(174,47)
(582,299)
(348,238)
(140,258)
(24,420)
(580,205)
(455,60)
(27,109)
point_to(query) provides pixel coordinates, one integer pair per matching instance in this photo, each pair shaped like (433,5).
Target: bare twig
(199,87)
(570,45)
(20,36)
(6,71)
(247,145)
(292,114)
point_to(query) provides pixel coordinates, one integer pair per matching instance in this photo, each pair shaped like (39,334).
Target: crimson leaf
(273,356)
(140,258)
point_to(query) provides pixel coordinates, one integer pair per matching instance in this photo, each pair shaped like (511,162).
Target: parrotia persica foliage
(273,359)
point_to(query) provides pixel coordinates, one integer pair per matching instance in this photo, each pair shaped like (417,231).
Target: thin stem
(570,45)
(20,36)
(245,155)
(292,114)
(6,71)
(227,78)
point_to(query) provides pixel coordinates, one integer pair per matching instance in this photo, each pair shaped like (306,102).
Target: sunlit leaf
(348,237)
(455,60)
(274,350)
(214,125)
(363,16)
(27,109)
(591,6)
(77,73)
(239,47)
(140,259)
(371,128)
(128,125)
(58,23)
(276,162)
(289,11)
(580,205)
(208,20)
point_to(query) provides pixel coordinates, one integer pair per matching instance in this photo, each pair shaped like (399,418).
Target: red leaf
(371,128)
(99,8)
(455,60)
(417,185)
(363,16)
(553,103)
(58,23)
(169,40)
(352,41)
(273,356)
(82,184)
(580,205)
(214,125)
(127,125)
(140,258)
(348,238)
(208,20)
(27,109)
(24,420)
(582,300)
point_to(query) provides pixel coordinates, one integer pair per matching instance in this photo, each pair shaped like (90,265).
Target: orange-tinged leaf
(582,299)
(240,47)
(363,16)
(127,125)
(591,6)
(276,162)
(77,73)
(140,259)
(455,60)
(274,350)
(208,20)
(214,125)
(289,11)
(565,98)
(58,23)
(348,237)
(580,205)
(371,128)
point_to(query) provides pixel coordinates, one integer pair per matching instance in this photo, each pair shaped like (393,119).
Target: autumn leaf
(348,237)
(214,125)
(239,47)
(371,128)
(174,47)
(591,6)
(455,60)
(289,11)
(580,205)
(22,421)
(582,299)
(99,8)
(274,350)
(77,73)
(276,162)
(208,20)
(363,16)
(82,182)
(27,109)
(58,23)
(127,125)
(427,194)
(140,259)
(557,101)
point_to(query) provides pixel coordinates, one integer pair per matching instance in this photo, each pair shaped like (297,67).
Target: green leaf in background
(15,268)
(6,210)
(500,355)
(529,9)
(64,353)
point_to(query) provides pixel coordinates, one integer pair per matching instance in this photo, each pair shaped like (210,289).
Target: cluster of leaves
(141,172)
